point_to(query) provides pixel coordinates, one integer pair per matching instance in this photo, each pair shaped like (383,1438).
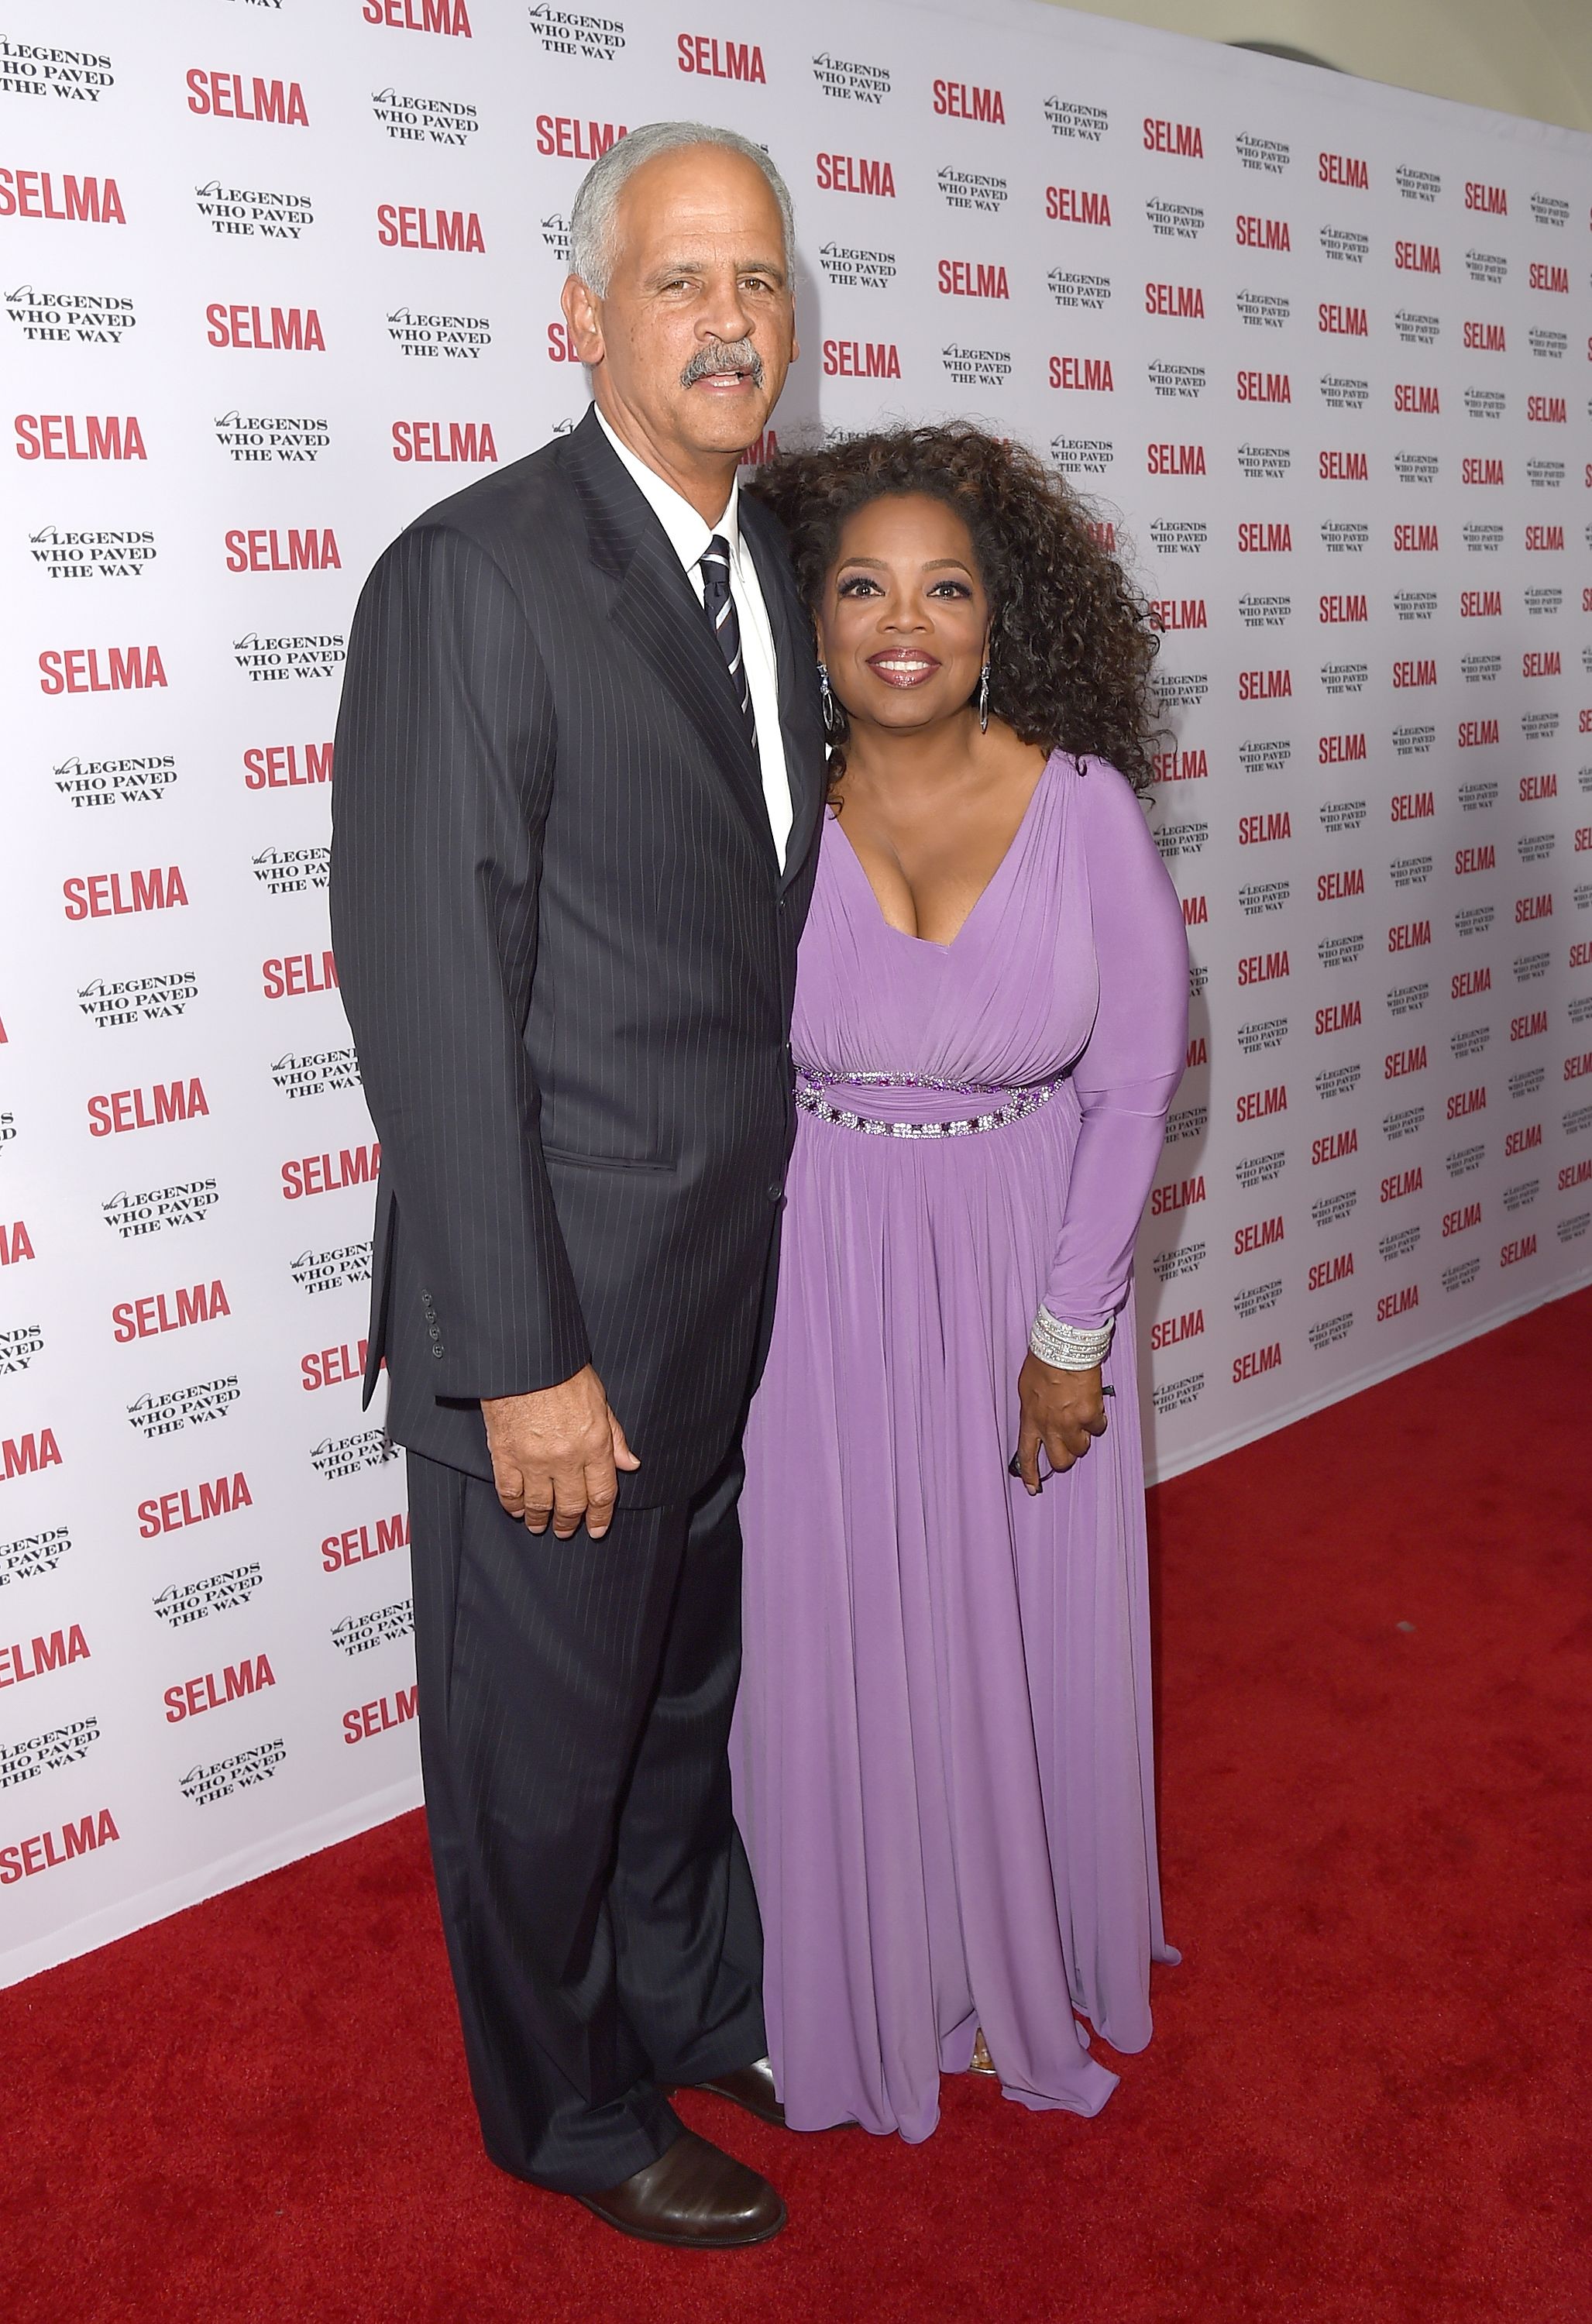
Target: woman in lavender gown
(943,1747)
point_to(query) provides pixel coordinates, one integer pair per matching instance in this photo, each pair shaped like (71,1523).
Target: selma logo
(1261,233)
(1549,537)
(1485,338)
(324,1174)
(854,174)
(1398,1062)
(1265,387)
(449,18)
(1254,830)
(1265,539)
(1527,1028)
(1343,467)
(1337,887)
(1492,200)
(15,1245)
(1398,1303)
(291,330)
(1539,665)
(29,1455)
(1467,982)
(279,766)
(78,670)
(959,278)
(860,359)
(1175,1328)
(1264,684)
(1254,1105)
(211,1689)
(722,60)
(1177,1195)
(116,1110)
(1408,395)
(1342,169)
(1180,137)
(1461,1221)
(1346,322)
(1417,258)
(1550,409)
(1547,278)
(1351,607)
(42,1851)
(37,1655)
(1091,374)
(1476,471)
(1414,673)
(1178,612)
(470,441)
(1074,206)
(1336,1269)
(1261,967)
(61,436)
(1255,1361)
(389,1711)
(81,202)
(576,141)
(1477,733)
(330,1367)
(402,227)
(297,973)
(1475,859)
(172,1512)
(1177,299)
(1174,459)
(100,895)
(1418,539)
(145,1319)
(1259,1235)
(1480,603)
(227,97)
(294,551)
(355,1546)
(1408,936)
(957,101)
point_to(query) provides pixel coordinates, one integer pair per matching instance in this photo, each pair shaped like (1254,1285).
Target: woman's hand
(1063,1411)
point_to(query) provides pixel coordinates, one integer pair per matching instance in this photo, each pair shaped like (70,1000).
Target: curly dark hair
(1073,644)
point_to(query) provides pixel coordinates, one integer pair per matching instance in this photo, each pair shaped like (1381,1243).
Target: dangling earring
(831,717)
(984,699)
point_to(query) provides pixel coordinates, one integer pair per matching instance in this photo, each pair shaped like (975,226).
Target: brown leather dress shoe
(694,2196)
(752,2087)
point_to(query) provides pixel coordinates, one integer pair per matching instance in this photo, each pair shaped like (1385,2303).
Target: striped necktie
(720,605)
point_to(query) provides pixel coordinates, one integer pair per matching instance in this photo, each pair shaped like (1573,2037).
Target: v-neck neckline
(933,943)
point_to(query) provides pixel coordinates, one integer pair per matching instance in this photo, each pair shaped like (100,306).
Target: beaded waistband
(810,1099)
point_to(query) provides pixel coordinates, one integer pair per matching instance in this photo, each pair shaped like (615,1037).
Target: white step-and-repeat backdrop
(278,274)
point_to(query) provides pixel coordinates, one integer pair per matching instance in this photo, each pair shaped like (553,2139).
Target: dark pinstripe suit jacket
(568,953)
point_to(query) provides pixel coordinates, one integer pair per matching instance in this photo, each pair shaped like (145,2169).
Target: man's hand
(554,1454)
(1063,1411)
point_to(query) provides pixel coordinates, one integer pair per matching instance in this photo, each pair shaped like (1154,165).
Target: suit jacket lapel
(657,609)
(801,724)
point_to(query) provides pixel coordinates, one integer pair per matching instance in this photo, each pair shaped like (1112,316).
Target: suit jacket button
(775,1190)
(438,1350)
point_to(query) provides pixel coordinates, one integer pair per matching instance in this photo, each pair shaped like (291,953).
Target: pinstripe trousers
(574,1717)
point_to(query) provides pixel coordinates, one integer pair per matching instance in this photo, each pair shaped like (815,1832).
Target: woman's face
(905,619)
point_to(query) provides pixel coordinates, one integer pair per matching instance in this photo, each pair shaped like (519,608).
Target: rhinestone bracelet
(1070,1347)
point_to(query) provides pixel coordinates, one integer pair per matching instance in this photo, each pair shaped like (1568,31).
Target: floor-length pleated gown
(942,1745)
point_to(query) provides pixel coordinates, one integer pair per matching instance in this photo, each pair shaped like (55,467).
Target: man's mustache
(720,354)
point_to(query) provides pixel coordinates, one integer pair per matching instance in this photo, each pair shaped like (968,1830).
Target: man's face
(690,343)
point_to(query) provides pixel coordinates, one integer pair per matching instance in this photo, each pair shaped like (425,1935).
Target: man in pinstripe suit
(579,775)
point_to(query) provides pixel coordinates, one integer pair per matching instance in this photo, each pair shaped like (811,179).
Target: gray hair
(592,250)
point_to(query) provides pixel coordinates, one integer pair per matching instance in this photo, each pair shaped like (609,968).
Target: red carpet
(1366,2099)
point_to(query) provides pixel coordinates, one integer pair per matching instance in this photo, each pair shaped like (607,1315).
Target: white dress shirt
(690,535)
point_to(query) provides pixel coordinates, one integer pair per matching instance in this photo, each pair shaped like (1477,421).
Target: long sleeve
(1134,1059)
(444,773)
